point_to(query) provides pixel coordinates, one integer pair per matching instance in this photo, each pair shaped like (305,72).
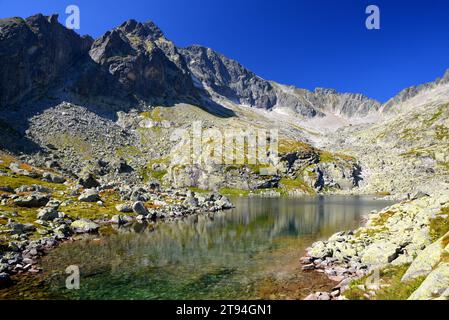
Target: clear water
(250,252)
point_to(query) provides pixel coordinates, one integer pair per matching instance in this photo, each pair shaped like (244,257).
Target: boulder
(124,208)
(435,285)
(426,260)
(5,280)
(90,195)
(34,200)
(33,188)
(19,228)
(140,209)
(89,181)
(84,226)
(50,177)
(48,214)
(380,253)
(224,203)
(119,219)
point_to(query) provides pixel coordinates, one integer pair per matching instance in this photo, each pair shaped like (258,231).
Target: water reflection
(224,255)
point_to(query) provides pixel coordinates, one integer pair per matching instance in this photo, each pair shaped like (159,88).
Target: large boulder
(140,209)
(34,200)
(124,208)
(5,280)
(84,226)
(426,260)
(19,228)
(90,195)
(88,181)
(435,285)
(54,178)
(48,214)
(380,253)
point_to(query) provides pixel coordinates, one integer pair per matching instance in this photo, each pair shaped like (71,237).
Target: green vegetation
(93,211)
(290,146)
(127,152)
(198,190)
(155,114)
(326,156)
(80,146)
(439,226)
(294,184)
(383,218)
(235,192)
(391,287)
(442,132)
(148,173)
(437,115)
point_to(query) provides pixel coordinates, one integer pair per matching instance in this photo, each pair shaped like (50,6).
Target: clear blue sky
(314,43)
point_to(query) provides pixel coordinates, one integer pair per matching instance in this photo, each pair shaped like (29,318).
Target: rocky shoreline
(57,216)
(405,240)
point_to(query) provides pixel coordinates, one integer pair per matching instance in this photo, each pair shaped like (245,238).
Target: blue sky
(314,43)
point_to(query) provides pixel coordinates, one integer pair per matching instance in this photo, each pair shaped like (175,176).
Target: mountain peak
(143,30)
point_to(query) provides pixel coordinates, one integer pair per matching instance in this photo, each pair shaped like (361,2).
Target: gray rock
(124,208)
(48,214)
(34,200)
(89,181)
(5,280)
(140,209)
(50,177)
(435,285)
(84,226)
(90,195)
(426,260)
(19,228)
(119,219)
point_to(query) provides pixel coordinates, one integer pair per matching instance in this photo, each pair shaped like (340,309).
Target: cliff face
(34,53)
(144,61)
(229,78)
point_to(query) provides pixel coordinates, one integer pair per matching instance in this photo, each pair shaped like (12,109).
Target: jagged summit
(135,63)
(144,30)
(413,91)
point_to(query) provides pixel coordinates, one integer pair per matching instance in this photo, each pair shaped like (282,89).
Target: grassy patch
(127,152)
(442,132)
(234,192)
(148,172)
(295,184)
(439,226)
(383,218)
(94,211)
(290,146)
(198,190)
(391,286)
(436,116)
(326,156)
(155,114)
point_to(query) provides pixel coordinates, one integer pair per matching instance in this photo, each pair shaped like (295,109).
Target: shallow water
(250,252)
